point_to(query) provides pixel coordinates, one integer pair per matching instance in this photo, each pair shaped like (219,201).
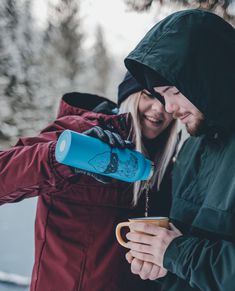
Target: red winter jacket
(75,244)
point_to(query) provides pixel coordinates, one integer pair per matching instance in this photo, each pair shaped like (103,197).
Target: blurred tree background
(224,8)
(39,63)
(37,66)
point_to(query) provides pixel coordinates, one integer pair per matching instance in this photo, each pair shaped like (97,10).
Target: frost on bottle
(93,155)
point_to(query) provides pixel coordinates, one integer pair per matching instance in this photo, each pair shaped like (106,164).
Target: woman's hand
(109,137)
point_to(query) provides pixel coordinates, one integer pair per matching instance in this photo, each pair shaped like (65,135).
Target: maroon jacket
(75,245)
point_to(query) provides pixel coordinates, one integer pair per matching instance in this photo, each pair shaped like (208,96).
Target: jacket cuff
(60,170)
(171,255)
(177,255)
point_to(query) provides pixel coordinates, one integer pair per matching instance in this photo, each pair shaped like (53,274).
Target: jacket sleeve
(27,171)
(205,264)
(29,168)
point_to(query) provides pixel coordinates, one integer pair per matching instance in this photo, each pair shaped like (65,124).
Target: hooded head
(192,50)
(128,86)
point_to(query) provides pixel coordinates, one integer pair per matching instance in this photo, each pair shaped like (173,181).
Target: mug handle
(118,233)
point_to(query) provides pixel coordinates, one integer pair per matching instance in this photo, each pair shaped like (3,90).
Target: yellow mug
(157,220)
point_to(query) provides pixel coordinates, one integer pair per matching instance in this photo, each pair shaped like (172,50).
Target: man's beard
(197,129)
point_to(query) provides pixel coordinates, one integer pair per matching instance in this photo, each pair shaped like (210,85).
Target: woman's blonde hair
(164,154)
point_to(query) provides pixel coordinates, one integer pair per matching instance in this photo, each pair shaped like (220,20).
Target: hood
(77,103)
(86,110)
(194,50)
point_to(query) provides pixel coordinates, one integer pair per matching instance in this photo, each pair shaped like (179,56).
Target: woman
(75,245)
(153,132)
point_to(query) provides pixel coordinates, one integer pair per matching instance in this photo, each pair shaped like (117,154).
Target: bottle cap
(63,146)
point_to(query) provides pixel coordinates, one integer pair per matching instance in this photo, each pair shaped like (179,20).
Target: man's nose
(171,107)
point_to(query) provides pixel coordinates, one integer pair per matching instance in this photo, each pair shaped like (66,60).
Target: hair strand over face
(130,105)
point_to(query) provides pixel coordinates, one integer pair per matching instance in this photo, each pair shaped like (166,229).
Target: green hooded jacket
(194,50)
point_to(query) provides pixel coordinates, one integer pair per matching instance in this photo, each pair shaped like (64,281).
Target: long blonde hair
(130,105)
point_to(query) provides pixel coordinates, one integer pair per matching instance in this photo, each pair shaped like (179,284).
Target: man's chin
(192,132)
(196,130)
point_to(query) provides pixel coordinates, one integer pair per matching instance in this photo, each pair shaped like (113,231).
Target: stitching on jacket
(205,204)
(43,245)
(51,161)
(80,279)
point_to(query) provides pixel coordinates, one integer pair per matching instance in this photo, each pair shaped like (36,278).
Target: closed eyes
(148,93)
(171,89)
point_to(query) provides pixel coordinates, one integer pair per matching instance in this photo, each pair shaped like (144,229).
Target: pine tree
(62,46)
(101,64)
(217,6)
(19,69)
(9,19)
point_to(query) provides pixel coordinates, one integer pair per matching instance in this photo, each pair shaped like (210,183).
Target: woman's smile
(155,121)
(154,118)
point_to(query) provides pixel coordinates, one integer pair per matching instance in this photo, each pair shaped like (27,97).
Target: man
(187,60)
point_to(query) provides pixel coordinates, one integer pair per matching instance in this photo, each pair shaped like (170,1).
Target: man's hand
(148,242)
(145,270)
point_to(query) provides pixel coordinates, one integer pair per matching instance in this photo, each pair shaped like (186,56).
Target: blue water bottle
(91,154)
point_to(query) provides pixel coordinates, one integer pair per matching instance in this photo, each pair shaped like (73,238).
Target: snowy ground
(17,240)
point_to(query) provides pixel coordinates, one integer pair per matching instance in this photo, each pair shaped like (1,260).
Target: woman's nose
(158,106)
